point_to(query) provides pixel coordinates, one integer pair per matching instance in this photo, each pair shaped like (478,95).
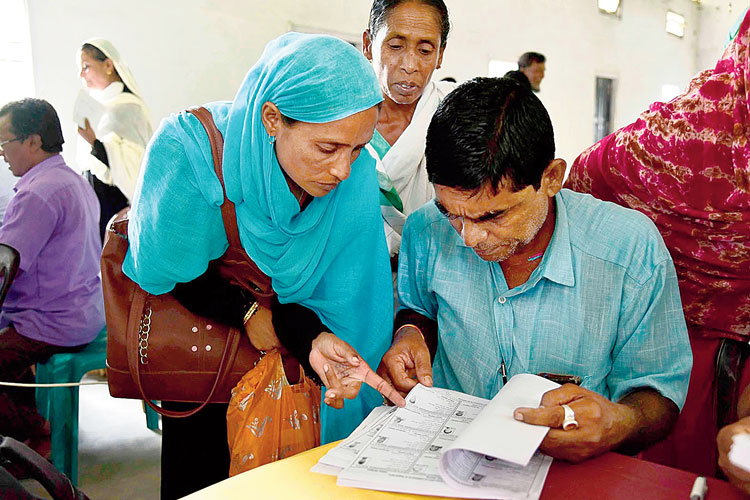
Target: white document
(739,453)
(450,444)
(342,455)
(87,107)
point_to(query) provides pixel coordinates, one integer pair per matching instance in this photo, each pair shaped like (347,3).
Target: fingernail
(518,416)
(326,368)
(331,395)
(428,381)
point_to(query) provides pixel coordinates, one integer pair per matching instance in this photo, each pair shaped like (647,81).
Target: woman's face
(405,51)
(318,156)
(96,74)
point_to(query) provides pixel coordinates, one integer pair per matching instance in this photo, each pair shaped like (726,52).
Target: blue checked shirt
(602,304)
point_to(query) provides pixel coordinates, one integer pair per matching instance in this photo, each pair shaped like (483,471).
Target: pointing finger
(379,384)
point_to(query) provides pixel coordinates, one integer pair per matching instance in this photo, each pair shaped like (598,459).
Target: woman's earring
(271,139)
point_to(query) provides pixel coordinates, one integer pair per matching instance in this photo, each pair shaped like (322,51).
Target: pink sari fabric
(686,165)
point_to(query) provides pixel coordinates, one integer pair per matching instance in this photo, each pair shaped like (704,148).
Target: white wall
(580,43)
(185,52)
(716,19)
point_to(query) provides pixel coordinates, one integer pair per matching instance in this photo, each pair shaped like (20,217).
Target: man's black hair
(489,130)
(381,8)
(517,75)
(35,116)
(529,58)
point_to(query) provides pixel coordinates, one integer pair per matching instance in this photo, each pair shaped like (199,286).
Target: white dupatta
(404,168)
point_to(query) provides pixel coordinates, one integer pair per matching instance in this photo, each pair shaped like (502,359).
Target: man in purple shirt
(55,302)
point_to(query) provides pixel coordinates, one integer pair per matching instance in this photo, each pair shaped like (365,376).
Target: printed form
(447,443)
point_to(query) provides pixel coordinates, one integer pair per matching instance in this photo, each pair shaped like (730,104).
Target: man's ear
(367,45)
(552,178)
(270,116)
(35,142)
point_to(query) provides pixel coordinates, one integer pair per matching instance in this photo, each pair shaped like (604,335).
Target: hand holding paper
(87,132)
(602,424)
(87,107)
(733,442)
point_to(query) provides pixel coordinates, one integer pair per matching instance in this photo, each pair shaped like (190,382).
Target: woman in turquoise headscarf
(306,199)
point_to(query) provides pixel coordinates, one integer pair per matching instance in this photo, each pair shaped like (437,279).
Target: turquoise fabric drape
(331,258)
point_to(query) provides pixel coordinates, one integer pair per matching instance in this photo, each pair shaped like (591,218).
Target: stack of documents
(446,443)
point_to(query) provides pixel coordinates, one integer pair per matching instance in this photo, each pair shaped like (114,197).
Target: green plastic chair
(59,405)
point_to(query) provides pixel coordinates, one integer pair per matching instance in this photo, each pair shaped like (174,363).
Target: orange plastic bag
(268,419)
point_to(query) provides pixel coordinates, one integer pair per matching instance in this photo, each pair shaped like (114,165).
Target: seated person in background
(505,273)
(55,302)
(685,164)
(724,440)
(7,181)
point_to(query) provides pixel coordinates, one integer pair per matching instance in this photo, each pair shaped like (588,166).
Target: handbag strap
(138,306)
(217,151)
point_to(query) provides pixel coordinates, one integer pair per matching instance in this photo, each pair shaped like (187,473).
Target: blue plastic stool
(60,404)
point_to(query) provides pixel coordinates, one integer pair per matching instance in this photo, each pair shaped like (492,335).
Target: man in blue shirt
(506,273)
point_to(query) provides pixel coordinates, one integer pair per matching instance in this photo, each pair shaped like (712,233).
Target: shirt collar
(557,263)
(37,170)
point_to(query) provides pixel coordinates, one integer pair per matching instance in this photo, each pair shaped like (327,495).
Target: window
(603,112)
(499,68)
(675,24)
(15,53)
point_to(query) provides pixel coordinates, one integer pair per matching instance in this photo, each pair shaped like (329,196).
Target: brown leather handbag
(156,348)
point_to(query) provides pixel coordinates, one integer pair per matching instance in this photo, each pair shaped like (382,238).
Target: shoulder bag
(156,348)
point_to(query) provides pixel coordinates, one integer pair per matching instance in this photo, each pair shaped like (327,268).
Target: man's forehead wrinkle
(462,206)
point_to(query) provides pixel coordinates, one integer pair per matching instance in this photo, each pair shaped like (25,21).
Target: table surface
(610,476)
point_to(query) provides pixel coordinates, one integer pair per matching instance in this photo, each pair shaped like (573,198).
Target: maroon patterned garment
(686,165)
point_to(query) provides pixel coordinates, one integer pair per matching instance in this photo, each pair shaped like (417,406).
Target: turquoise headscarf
(331,257)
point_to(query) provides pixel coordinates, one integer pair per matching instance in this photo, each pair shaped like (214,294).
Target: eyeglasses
(2,144)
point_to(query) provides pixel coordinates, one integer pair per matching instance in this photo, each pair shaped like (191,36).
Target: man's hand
(342,371)
(736,475)
(259,329)
(602,424)
(87,133)
(407,361)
